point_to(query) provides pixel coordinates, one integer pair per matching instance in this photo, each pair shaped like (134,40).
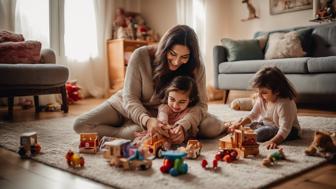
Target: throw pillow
(284,45)
(6,36)
(305,36)
(24,52)
(242,49)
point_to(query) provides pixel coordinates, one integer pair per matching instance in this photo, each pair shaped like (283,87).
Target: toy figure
(193,149)
(173,163)
(275,156)
(251,10)
(323,145)
(72,91)
(28,145)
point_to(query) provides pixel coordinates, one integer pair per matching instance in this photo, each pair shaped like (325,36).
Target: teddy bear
(323,145)
(244,104)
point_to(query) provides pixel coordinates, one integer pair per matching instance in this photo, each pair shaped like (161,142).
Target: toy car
(28,145)
(74,159)
(193,149)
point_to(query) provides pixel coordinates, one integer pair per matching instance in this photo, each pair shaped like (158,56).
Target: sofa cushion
(324,38)
(6,36)
(288,65)
(284,45)
(322,64)
(37,75)
(242,49)
(27,52)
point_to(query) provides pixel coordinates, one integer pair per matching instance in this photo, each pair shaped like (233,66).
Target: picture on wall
(284,6)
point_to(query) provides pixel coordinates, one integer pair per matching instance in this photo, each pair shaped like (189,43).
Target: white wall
(223,19)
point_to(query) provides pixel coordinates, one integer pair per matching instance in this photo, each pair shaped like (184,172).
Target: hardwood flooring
(16,173)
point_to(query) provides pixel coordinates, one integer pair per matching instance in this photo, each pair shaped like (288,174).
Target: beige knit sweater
(137,101)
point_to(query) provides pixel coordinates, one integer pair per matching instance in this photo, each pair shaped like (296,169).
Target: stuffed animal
(323,145)
(273,157)
(72,91)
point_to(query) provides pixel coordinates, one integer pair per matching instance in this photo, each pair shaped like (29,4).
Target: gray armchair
(46,77)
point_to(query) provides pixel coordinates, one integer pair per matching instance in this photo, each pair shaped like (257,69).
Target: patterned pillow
(284,45)
(24,52)
(6,36)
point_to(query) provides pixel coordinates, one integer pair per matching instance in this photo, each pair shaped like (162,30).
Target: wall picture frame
(285,6)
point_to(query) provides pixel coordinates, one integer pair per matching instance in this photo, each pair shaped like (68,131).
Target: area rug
(57,136)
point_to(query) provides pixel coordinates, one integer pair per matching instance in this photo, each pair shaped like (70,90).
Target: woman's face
(178,101)
(177,55)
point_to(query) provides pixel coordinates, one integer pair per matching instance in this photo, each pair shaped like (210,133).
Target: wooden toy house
(88,143)
(243,140)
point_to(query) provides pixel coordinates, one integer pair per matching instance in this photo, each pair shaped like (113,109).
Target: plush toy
(244,104)
(323,145)
(72,91)
(273,157)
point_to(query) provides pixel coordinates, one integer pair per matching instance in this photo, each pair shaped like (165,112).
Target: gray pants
(266,132)
(107,121)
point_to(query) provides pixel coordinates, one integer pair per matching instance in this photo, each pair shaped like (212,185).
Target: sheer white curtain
(193,13)
(32,20)
(85,23)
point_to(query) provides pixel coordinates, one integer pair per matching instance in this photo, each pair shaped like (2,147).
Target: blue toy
(173,163)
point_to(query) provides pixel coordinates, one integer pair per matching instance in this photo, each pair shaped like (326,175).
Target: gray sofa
(313,75)
(46,77)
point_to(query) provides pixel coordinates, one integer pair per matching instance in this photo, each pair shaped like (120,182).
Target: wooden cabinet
(118,53)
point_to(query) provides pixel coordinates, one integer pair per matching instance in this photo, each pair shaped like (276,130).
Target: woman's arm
(132,91)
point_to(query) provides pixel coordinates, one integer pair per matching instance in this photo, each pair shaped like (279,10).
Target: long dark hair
(182,35)
(184,84)
(272,78)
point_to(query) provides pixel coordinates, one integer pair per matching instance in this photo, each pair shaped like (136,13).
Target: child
(178,97)
(274,115)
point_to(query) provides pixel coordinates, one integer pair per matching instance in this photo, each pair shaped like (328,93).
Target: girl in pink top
(274,115)
(179,96)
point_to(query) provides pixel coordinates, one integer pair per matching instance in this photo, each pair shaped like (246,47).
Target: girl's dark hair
(181,35)
(272,78)
(185,84)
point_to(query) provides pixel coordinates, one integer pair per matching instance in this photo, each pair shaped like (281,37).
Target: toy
(323,145)
(204,164)
(73,93)
(74,159)
(251,10)
(173,163)
(243,140)
(273,157)
(193,149)
(120,153)
(154,146)
(28,145)
(88,143)
(244,104)
(227,155)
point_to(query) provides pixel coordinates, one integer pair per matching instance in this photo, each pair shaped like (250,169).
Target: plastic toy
(193,149)
(243,140)
(173,163)
(72,91)
(28,145)
(88,143)
(74,159)
(273,157)
(227,155)
(120,153)
(323,145)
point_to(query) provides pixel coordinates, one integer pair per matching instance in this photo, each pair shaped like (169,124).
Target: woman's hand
(177,135)
(153,127)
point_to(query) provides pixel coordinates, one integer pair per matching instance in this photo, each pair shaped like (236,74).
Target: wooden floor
(17,173)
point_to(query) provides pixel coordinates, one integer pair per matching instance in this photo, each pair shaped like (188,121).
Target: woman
(149,71)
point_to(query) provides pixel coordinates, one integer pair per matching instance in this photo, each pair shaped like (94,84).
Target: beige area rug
(56,137)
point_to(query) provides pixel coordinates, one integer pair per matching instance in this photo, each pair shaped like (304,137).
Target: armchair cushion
(25,52)
(6,36)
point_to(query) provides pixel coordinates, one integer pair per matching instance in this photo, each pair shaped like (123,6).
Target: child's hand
(271,145)
(234,126)
(154,127)
(177,135)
